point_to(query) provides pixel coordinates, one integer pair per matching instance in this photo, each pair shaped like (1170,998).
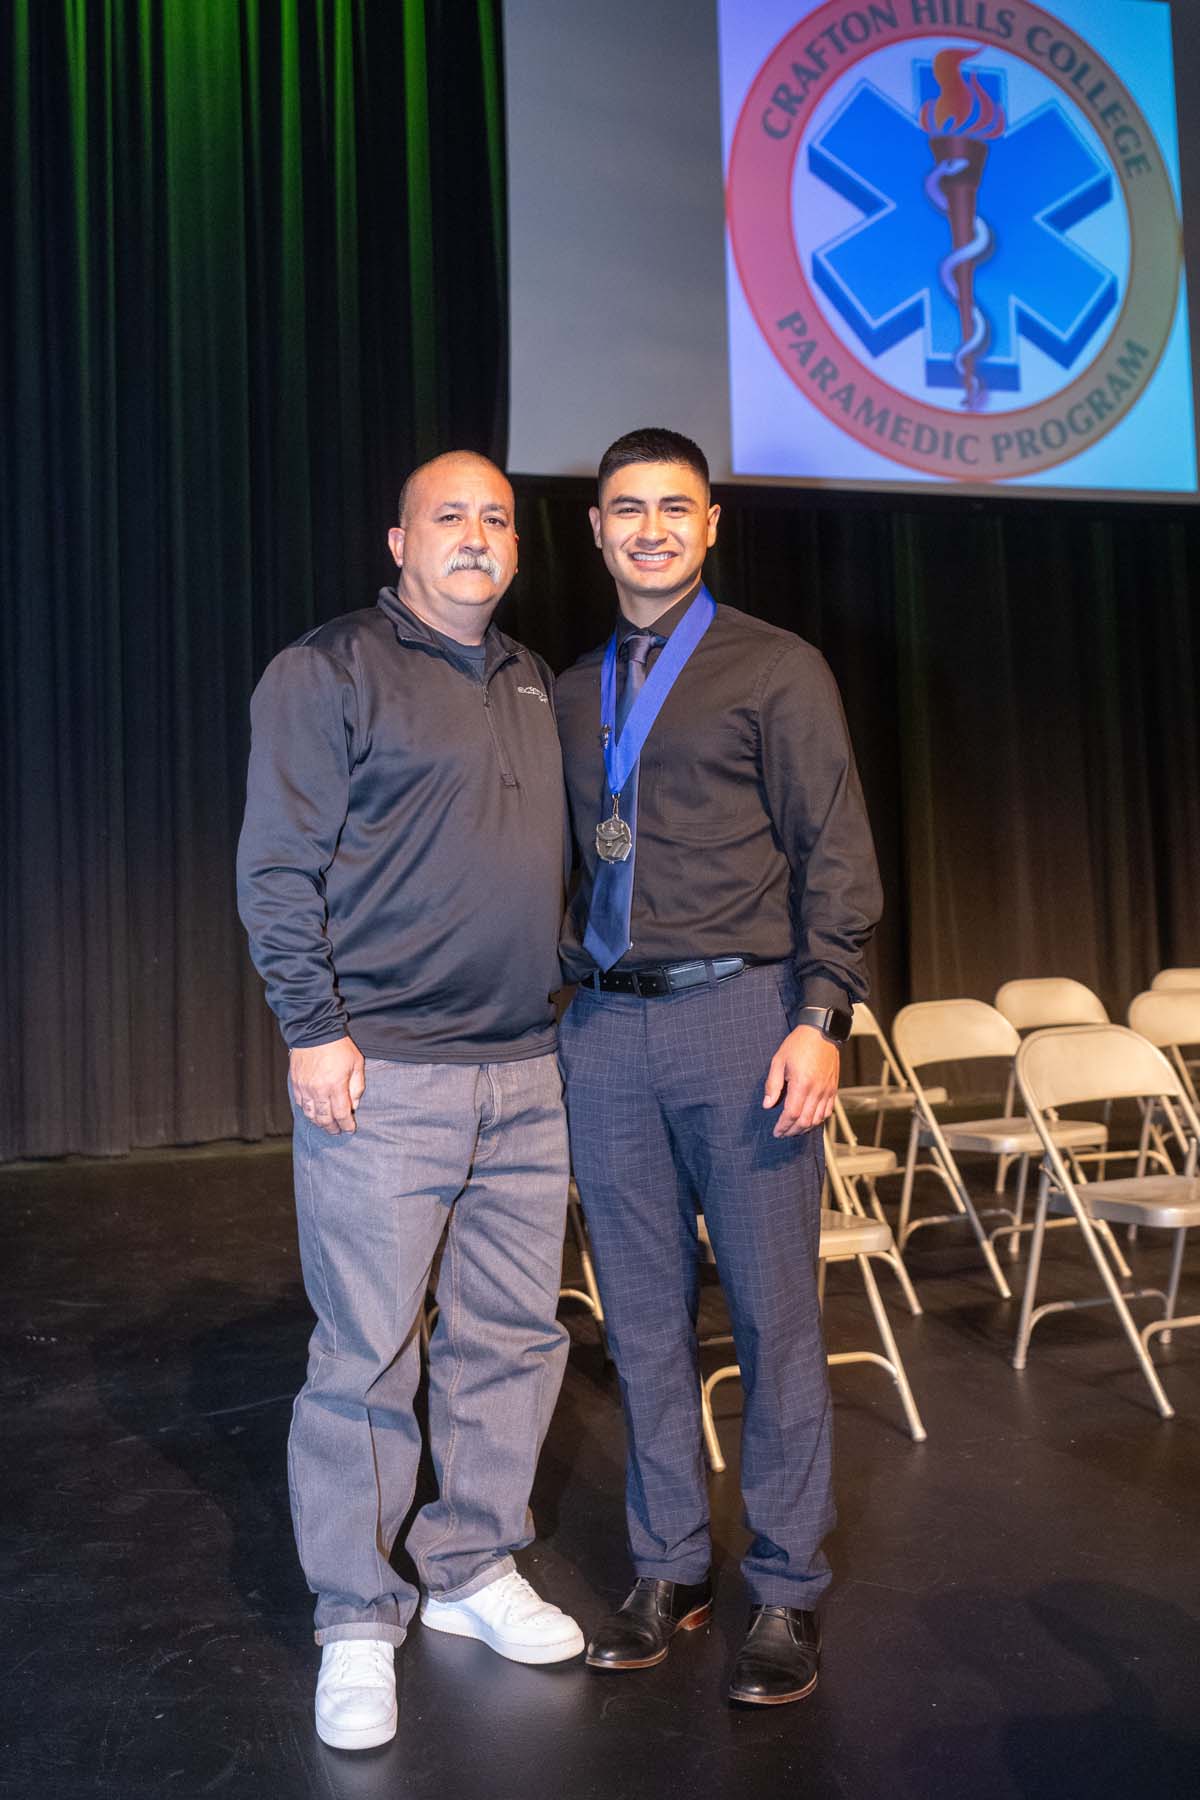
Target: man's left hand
(807,1065)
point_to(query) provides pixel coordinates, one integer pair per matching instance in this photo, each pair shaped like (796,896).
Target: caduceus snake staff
(960,124)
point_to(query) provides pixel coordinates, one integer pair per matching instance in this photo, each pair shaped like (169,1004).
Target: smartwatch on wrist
(833,1022)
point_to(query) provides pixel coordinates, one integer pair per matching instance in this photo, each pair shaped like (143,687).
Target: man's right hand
(327,1083)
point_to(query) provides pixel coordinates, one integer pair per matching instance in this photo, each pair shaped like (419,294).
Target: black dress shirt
(752,837)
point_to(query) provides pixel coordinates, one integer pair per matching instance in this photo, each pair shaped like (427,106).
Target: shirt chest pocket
(701,778)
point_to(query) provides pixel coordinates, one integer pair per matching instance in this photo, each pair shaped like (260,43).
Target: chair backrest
(1070,1063)
(1167,1016)
(951,1031)
(863,1022)
(1049,1000)
(1176,978)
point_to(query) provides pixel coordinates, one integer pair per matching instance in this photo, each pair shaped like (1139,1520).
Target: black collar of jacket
(410,629)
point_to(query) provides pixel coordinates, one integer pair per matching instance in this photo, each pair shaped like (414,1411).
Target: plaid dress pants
(664,1099)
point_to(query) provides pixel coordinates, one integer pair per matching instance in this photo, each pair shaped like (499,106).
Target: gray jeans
(477,1153)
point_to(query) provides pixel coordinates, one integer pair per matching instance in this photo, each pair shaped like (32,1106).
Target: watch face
(839,1024)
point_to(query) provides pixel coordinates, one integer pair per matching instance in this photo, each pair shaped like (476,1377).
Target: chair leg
(985,1244)
(1004,1163)
(1143,1139)
(587,1267)
(1024,1329)
(854,1199)
(1173,1279)
(1114,1249)
(730,1372)
(891,1352)
(1123,1313)
(1159,1152)
(587,1270)
(1014,1237)
(946,1169)
(910,1165)
(894,1258)
(942,1165)
(712,1442)
(1092,1239)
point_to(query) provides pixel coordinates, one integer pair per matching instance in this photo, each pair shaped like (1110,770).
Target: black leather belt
(669,978)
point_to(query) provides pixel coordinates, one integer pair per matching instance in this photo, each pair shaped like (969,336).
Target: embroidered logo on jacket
(536,692)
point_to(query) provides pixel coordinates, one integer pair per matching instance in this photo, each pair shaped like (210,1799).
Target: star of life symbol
(971,248)
(966,254)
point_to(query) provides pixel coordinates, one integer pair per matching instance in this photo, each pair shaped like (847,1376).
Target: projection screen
(898,244)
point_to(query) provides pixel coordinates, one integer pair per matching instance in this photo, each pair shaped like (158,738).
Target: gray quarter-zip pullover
(401,863)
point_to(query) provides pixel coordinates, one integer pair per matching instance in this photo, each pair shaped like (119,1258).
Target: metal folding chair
(844,1237)
(891,1093)
(1176,978)
(1075,1065)
(1032,1004)
(850,1165)
(1169,1018)
(955,1031)
(1188,979)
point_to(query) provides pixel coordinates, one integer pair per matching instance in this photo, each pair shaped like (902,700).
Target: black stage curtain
(1021,683)
(256,272)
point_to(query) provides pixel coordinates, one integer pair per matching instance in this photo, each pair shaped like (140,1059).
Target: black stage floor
(1017,1606)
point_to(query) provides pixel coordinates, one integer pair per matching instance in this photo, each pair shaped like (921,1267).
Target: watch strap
(832,1021)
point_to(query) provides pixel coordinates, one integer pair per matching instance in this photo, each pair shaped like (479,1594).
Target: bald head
(456,543)
(446,464)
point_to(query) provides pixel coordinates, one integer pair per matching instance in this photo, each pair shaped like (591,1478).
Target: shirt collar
(665,623)
(410,628)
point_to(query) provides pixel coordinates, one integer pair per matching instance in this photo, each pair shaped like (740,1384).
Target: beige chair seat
(1171,1202)
(845,1234)
(844,1237)
(1017,1137)
(842,1234)
(866,1160)
(885,1099)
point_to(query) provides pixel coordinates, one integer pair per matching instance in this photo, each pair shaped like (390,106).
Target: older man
(400,876)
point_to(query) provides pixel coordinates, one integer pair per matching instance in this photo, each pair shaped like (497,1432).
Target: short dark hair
(652,444)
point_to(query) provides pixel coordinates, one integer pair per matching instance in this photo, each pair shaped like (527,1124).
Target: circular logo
(961,243)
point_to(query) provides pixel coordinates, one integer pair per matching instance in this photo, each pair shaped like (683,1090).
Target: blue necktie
(607,936)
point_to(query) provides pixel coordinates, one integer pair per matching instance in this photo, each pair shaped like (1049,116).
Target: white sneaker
(356,1694)
(511,1618)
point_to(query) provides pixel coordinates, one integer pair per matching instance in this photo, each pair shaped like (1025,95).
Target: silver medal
(614,840)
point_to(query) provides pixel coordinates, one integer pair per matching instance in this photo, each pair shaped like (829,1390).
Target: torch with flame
(961,123)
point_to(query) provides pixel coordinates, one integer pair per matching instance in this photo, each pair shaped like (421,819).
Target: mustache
(473,559)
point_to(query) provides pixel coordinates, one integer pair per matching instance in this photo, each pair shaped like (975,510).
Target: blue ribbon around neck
(621,754)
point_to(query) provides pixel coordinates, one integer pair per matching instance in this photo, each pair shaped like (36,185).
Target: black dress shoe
(780,1658)
(638,1635)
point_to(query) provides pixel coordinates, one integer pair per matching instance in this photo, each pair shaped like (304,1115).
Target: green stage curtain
(254,272)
